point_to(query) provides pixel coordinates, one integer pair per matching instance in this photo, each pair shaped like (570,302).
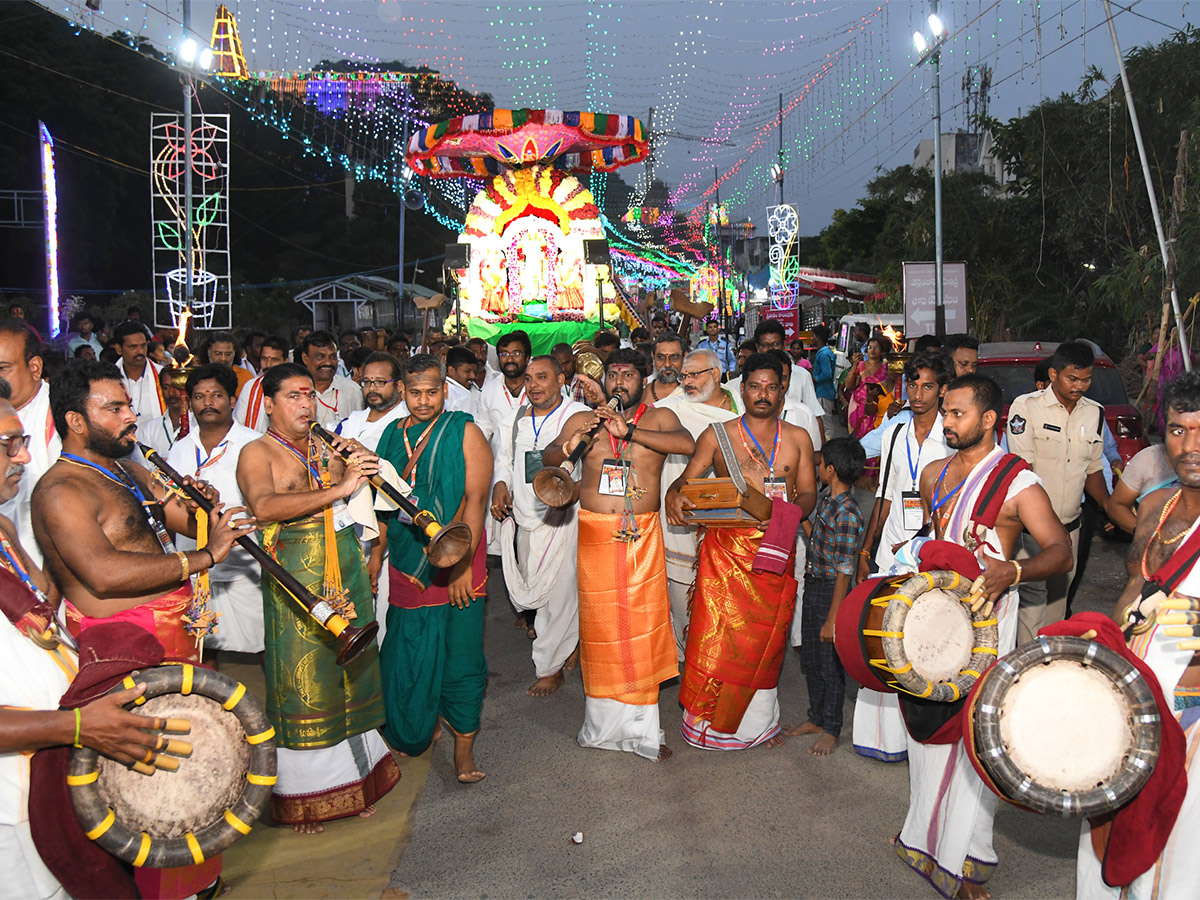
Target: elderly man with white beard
(701,402)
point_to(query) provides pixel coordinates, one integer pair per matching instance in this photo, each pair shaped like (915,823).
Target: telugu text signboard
(920,298)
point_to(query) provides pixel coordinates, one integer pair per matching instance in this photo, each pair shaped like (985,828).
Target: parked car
(1011,364)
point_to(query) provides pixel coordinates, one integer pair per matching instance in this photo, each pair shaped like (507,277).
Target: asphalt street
(758,823)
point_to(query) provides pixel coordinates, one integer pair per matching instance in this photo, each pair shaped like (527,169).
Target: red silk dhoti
(163,618)
(738,629)
(627,647)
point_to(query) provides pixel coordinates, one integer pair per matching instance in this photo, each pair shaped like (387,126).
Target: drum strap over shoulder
(995,489)
(731,460)
(1171,574)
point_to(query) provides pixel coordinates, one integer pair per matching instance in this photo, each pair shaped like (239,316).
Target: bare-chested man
(731,702)
(332,761)
(625,635)
(942,783)
(1162,542)
(105,525)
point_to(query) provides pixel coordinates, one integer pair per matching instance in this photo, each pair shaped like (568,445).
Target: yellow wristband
(1017,566)
(186,566)
(78,719)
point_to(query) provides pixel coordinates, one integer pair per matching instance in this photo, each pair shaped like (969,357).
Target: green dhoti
(433,665)
(311,700)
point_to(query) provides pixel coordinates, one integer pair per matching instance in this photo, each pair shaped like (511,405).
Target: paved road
(761,823)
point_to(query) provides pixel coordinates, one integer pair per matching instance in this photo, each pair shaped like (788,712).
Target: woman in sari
(860,416)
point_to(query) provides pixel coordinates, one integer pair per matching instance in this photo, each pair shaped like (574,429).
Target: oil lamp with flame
(899,355)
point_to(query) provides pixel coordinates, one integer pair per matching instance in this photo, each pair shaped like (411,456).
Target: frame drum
(1063,725)
(182,817)
(914,634)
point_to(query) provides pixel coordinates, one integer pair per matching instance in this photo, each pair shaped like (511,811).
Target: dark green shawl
(439,482)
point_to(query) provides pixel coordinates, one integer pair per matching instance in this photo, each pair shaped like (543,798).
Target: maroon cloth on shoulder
(107,653)
(1141,827)
(947,556)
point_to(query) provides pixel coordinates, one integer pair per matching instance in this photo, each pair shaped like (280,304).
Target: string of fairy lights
(853,99)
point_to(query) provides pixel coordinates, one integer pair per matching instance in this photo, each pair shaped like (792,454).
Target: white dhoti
(1175,875)
(239,601)
(25,875)
(798,571)
(332,782)
(879,730)
(947,835)
(540,572)
(613,725)
(759,724)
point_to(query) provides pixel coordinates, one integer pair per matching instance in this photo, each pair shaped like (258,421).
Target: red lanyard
(612,441)
(326,405)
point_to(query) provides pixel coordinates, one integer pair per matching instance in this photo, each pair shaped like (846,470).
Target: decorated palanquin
(526,228)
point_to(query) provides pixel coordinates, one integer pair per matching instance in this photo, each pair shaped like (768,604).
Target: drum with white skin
(1064,725)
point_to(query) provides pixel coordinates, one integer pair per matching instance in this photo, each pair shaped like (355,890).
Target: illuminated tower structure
(228,59)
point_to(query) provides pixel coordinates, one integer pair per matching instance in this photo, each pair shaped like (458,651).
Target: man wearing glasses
(701,402)
(667,358)
(21,367)
(381,386)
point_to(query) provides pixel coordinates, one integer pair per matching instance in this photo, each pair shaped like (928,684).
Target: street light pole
(188,150)
(939,293)
(933,53)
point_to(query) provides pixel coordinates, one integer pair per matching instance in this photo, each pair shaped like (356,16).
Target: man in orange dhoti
(105,527)
(745,595)
(627,647)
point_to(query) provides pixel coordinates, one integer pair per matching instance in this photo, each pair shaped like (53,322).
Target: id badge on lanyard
(533,464)
(914,515)
(614,478)
(775,488)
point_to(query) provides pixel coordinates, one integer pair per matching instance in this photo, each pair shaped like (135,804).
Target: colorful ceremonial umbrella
(488,143)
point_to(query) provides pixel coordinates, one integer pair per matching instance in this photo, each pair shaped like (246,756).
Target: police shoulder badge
(1016,425)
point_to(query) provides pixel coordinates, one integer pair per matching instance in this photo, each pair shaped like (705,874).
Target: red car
(1011,364)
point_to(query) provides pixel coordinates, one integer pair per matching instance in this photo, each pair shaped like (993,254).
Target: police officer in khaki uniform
(1060,433)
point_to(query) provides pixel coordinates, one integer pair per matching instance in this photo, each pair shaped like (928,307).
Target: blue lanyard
(938,504)
(912,468)
(774,447)
(537,432)
(15,565)
(316,473)
(129,485)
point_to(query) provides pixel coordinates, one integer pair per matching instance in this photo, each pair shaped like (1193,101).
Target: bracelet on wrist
(212,560)
(1017,566)
(78,719)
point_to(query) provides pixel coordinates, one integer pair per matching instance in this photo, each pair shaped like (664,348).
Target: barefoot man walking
(538,543)
(332,761)
(625,638)
(947,834)
(730,698)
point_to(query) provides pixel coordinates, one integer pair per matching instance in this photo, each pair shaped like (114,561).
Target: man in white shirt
(84,334)
(21,367)
(138,373)
(337,395)
(498,404)
(210,452)
(460,378)
(252,348)
(538,544)
(382,387)
(162,432)
(249,408)
(908,445)
(769,335)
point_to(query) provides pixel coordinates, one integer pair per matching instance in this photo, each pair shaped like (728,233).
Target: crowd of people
(624,583)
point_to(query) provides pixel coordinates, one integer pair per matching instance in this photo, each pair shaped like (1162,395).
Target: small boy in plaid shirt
(837,526)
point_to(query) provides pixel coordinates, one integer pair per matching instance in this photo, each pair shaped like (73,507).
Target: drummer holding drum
(957,856)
